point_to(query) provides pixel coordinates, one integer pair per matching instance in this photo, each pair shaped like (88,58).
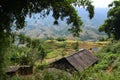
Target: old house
(19,70)
(75,62)
(12,70)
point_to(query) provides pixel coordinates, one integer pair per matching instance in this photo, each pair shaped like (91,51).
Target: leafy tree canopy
(14,12)
(111,25)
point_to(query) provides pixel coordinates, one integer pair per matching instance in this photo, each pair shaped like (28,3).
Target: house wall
(25,70)
(63,64)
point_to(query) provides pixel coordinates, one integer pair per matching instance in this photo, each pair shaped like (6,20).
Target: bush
(53,74)
(61,45)
(101,39)
(60,39)
(112,47)
(76,46)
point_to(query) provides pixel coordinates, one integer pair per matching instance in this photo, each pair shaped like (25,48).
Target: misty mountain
(43,27)
(99,16)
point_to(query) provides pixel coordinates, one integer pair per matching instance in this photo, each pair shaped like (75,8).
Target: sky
(102,3)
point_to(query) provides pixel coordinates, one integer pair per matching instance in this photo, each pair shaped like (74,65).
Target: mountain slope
(43,27)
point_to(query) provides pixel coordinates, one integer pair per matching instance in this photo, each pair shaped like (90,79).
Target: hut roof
(15,68)
(12,68)
(79,60)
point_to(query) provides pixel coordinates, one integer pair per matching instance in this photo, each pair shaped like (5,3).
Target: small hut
(75,62)
(12,70)
(19,70)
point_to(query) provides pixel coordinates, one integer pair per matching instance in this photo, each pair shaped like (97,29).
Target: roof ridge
(75,53)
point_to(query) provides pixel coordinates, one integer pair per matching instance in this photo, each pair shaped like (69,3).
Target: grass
(106,69)
(56,48)
(54,53)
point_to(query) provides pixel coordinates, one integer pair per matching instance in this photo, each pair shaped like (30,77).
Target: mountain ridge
(43,27)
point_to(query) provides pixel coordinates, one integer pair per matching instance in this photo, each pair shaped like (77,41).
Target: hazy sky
(101,3)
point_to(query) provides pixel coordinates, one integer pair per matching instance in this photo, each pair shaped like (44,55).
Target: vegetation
(102,39)
(18,49)
(60,39)
(20,54)
(12,16)
(111,24)
(107,68)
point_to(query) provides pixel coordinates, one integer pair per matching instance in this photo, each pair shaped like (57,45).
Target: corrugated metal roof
(81,59)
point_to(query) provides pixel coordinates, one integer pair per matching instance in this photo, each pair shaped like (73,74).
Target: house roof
(12,68)
(81,59)
(15,68)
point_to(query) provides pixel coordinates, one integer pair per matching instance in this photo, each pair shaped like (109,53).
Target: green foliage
(112,47)
(60,39)
(101,39)
(76,46)
(49,38)
(16,12)
(21,38)
(54,54)
(32,50)
(20,56)
(96,72)
(111,24)
(42,53)
(42,66)
(4,51)
(60,44)
(54,74)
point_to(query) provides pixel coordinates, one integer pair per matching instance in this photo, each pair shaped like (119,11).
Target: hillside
(107,67)
(43,27)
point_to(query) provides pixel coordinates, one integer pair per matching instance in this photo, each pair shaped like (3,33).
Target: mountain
(43,27)
(99,16)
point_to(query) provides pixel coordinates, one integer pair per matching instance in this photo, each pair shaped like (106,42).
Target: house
(12,70)
(19,70)
(75,62)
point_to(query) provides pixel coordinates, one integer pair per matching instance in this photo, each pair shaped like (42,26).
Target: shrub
(76,46)
(101,39)
(61,45)
(53,74)
(112,47)
(60,39)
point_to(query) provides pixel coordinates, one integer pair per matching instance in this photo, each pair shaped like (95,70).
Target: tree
(42,53)
(111,25)
(13,13)
(76,46)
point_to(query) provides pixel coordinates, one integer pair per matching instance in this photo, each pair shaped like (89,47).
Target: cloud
(101,3)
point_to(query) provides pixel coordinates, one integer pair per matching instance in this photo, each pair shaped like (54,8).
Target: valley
(44,28)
